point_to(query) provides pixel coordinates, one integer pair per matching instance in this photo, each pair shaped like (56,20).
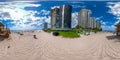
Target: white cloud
(22,19)
(39,21)
(48,19)
(115,10)
(108,28)
(105,22)
(99,18)
(22,27)
(44,12)
(22,0)
(74,19)
(55,7)
(18,4)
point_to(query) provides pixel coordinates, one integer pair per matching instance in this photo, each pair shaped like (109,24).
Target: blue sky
(31,14)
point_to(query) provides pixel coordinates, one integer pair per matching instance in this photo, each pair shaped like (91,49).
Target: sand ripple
(47,47)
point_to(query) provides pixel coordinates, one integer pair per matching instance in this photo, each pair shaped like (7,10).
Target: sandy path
(100,46)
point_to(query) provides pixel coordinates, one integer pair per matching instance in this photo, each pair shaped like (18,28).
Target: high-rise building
(91,23)
(61,17)
(65,15)
(45,25)
(83,17)
(55,18)
(94,22)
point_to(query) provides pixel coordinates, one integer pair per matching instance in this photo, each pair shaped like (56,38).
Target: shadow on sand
(113,37)
(2,38)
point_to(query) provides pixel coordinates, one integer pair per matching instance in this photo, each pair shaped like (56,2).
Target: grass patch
(69,34)
(66,33)
(74,33)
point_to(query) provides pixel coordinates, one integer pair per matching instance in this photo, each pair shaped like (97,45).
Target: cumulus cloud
(114,9)
(4,16)
(99,18)
(55,7)
(21,19)
(74,19)
(108,28)
(44,12)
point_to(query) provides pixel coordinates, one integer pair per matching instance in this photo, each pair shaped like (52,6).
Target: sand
(100,46)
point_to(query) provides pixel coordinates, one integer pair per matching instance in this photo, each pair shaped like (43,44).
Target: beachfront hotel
(91,22)
(65,15)
(83,17)
(55,18)
(85,21)
(61,18)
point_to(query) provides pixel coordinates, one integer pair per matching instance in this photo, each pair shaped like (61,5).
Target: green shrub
(69,34)
(56,33)
(8,46)
(66,33)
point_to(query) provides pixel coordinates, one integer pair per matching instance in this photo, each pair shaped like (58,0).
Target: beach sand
(99,46)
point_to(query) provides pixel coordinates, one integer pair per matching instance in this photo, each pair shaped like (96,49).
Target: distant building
(61,17)
(83,18)
(65,15)
(118,29)
(85,21)
(45,25)
(92,22)
(55,18)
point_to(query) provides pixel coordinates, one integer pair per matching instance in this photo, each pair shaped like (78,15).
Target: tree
(77,27)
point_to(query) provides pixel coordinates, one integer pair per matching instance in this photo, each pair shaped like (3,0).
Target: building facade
(65,15)
(61,17)
(55,18)
(92,22)
(83,18)
(85,21)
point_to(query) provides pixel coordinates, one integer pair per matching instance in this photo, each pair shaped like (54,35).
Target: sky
(32,14)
